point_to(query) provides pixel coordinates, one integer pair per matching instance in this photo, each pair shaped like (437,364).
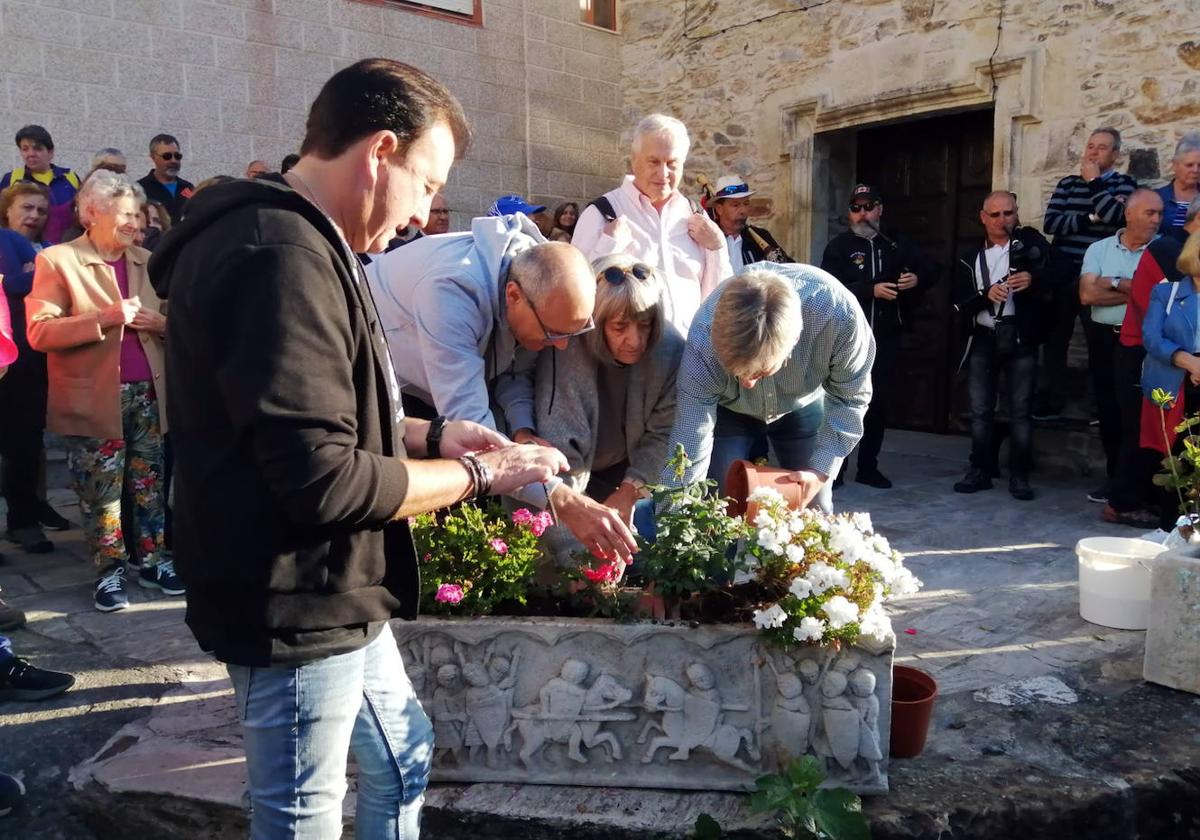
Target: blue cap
(506,205)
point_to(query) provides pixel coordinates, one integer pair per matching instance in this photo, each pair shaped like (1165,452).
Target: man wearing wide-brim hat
(730,209)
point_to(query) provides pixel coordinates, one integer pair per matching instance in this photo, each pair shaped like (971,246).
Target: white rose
(824,577)
(800,587)
(810,630)
(840,611)
(773,616)
(795,553)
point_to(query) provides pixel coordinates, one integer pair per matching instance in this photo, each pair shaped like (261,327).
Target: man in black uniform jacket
(887,274)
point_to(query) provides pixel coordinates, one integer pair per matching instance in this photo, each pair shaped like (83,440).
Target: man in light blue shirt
(1105,281)
(782,351)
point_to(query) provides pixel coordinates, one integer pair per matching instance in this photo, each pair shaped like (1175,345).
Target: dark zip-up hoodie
(287,448)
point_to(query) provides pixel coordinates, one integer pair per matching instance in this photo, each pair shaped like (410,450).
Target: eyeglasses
(171,155)
(998,213)
(439,212)
(617,275)
(863,208)
(551,336)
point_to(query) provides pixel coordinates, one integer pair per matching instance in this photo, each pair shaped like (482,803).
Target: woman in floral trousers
(96,316)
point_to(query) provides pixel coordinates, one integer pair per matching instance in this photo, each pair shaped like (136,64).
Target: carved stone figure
(567,713)
(693,720)
(840,733)
(448,714)
(791,716)
(862,688)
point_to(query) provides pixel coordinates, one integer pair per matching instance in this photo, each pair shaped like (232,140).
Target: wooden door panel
(933,175)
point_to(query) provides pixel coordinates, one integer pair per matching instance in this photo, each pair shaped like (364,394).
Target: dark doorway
(933,175)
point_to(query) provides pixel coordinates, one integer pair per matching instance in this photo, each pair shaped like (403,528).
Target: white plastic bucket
(1114,581)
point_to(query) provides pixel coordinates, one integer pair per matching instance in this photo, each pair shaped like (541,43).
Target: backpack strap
(605,207)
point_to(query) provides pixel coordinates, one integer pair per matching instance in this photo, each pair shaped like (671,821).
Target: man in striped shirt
(782,352)
(1083,209)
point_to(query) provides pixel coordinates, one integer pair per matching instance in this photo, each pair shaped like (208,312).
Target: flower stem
(1162,414)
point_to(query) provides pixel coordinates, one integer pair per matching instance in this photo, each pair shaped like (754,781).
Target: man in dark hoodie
(294,476)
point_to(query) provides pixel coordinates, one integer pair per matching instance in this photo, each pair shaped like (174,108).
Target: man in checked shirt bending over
(782,352)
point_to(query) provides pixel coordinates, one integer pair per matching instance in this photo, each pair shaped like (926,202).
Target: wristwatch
(433,438)
(1115,282)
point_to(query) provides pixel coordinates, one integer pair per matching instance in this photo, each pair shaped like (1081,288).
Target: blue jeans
(298,725)
(5,649)
(983,371)
(793,438)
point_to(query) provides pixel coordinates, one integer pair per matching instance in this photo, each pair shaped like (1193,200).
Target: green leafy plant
(473,558)
(691,550)
(1182,471)
(706,828)
(804,809)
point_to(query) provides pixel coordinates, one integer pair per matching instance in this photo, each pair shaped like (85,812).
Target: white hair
(101,189)
(106,152)
(1188,143)
(662,124)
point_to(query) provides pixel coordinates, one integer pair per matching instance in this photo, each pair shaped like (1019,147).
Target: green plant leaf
(706,828)
(805,773)
(839,814)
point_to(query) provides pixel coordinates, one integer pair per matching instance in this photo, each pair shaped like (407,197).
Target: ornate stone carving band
(594,703)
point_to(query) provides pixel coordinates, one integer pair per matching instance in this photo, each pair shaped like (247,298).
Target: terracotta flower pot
(913,693)
(745,477)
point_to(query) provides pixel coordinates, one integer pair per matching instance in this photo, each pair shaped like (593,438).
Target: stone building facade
(232,79)
(776,90)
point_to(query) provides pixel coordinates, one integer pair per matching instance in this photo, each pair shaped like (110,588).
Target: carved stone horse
(605,693)
(691,722)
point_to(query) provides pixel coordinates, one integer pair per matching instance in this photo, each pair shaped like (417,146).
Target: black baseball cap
(864,192)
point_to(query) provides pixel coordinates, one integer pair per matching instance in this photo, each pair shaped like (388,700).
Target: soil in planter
(729,605)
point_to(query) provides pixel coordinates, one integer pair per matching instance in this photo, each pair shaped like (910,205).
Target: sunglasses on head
(996,214)
(171,155)
(863,208)
(617,275)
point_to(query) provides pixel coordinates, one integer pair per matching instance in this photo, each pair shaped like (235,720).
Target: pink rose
(500,546)
(522,516)
(540,523)
(449,593)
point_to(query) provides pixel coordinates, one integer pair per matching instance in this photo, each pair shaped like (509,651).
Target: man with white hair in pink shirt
(647,218)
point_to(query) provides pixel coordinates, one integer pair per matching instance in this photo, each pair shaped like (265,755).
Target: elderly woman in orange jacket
(96,316)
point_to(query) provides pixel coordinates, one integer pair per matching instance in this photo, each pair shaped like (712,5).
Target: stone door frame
(1011,85)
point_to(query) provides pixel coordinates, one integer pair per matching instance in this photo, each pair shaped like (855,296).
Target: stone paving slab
(999,607)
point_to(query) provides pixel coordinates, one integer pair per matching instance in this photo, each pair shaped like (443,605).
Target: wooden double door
(933,175)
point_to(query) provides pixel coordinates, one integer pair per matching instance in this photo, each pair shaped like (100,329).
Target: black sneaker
(21,681)
(110,591)
(873,478)
(162,576)
(11,791)
(975,480)
(1099,495)
(52,519)
(1018,488)
(32,539)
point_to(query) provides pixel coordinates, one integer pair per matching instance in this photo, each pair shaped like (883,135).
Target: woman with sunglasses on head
(608,401)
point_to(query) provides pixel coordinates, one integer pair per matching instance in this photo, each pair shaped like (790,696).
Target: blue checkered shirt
(832,359)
